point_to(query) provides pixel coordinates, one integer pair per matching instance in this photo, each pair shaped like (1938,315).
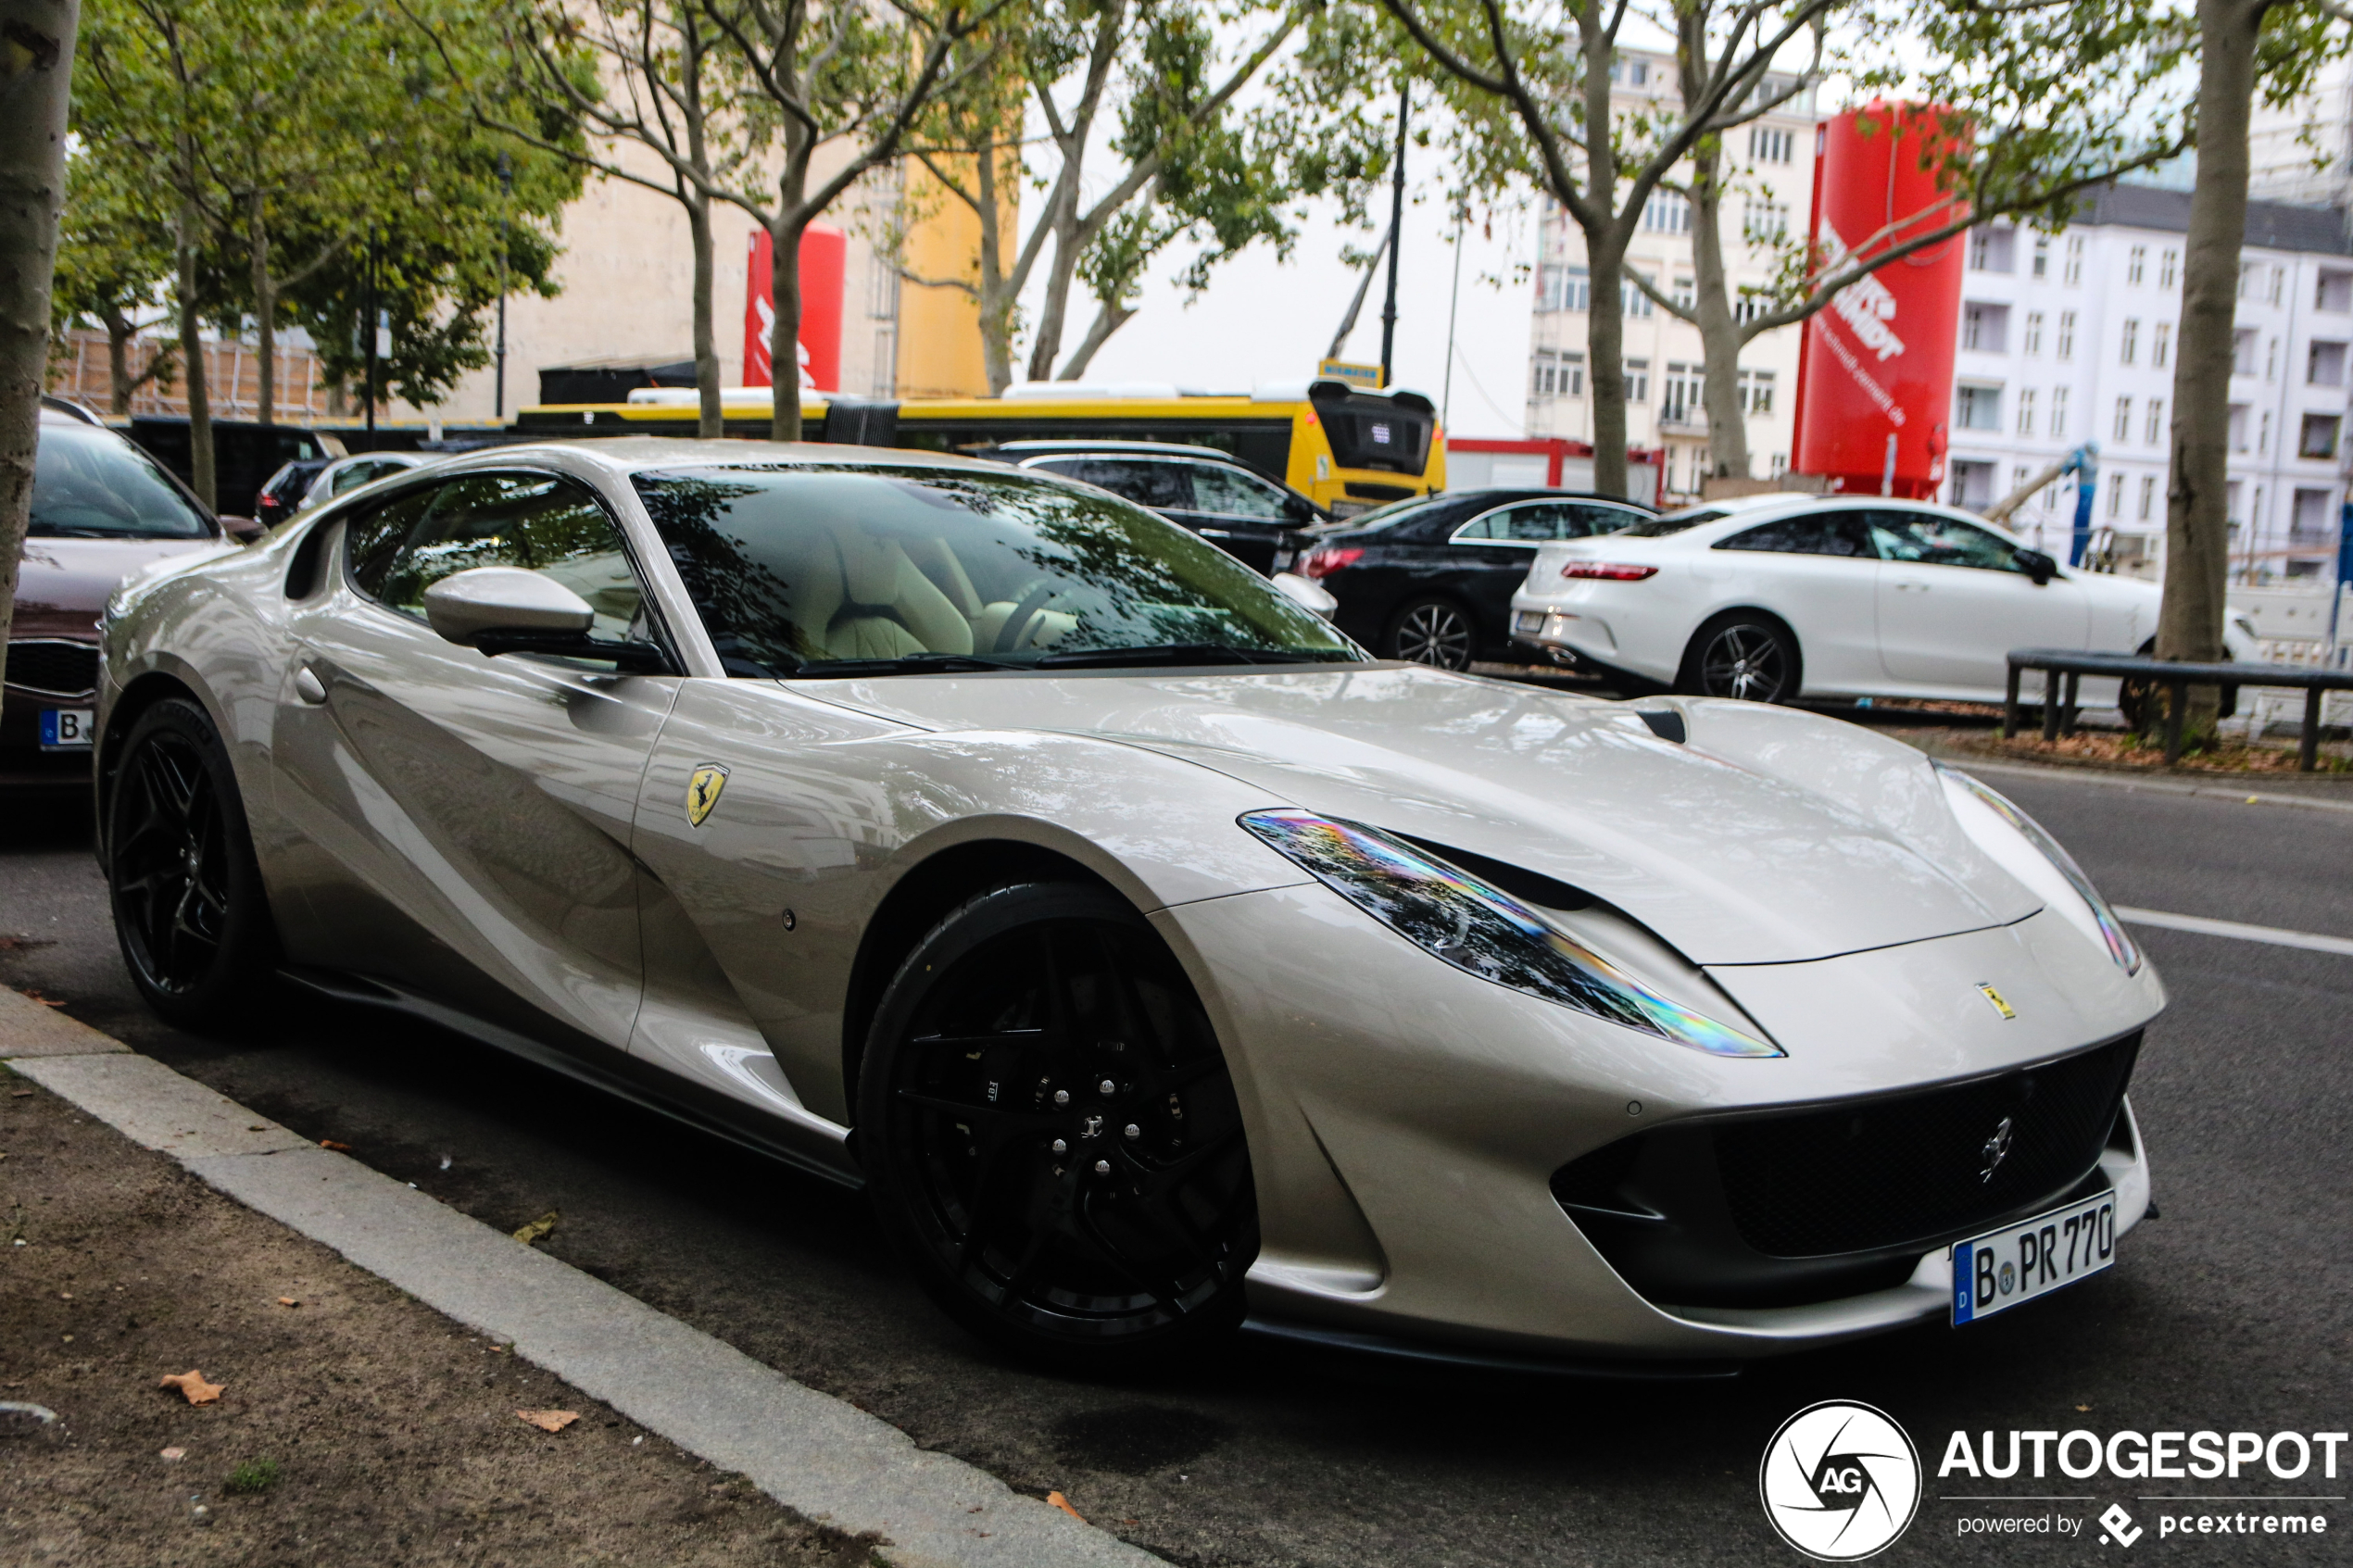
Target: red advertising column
(1875,372)
(824,254)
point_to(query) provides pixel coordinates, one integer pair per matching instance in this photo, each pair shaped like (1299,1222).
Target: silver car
(1150,954)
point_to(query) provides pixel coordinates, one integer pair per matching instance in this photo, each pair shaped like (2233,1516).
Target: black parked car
(1432,580)
(1251,516)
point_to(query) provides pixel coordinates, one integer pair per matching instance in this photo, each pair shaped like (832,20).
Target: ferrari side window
(372,541)
(535,521)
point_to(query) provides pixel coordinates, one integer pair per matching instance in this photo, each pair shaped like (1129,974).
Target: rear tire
(1095,1232)
(1744,655)
(189,909)
(1435,631)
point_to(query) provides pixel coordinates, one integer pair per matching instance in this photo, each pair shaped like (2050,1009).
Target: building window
(2324,365)
(2248,275)
(2041,265)
(2243,352)
(1629,73)
(2319,437)
(2148,495)
(1779,464)
(2018,476)
(2169,266)
(2033,339)
(1667,213)
(1638,381)
(2310,517)
(2333,291)
(2153,427)
(2116,498)
(2129,341)
(2026,411)
(1747,308)
(1755,391)
(1681,393)
(1988,249)
(1572,379)
(1564,288)
(2136,262)
(1977,408)
(1986,328)
(2074,259)
(1684,293)
(2263,440)
(2279,282)
(2059,411)
(1544,378)
(2066,349)
(2123,418)
(1767,144)
(2272,361)
(2160,344)
(2238,427)
(1764,222)
(1631,300)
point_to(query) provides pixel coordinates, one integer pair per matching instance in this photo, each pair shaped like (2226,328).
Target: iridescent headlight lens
(2121,946)
(1455,917)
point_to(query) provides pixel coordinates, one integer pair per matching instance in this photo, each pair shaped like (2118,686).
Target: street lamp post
(1396,238)
(506,202)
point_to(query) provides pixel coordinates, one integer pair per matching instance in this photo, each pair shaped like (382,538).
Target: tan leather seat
(871,601)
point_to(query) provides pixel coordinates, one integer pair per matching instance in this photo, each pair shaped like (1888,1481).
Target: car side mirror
(2037,565)
(243,529)
(1299,509)
(464,605)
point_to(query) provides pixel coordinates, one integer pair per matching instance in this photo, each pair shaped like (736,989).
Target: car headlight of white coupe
(2121,946)
(1483,931)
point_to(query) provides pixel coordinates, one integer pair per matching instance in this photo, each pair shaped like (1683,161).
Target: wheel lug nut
(1060,1148)
(1102,1167)
(1109,1087)
(1062,1096)
(1133,1131)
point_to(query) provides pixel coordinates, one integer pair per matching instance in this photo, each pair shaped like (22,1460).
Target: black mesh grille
(1892,1171)
(52,667)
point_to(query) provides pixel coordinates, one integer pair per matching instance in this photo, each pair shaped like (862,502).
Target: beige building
(1773,160)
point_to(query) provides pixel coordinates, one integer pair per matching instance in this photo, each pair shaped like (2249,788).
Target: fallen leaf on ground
(288,1301)
(175,1453)
(550,1420)
(19,1094)
(338,1148)
(192,1383)
(537,1228)
(1058,1500)
(32,996)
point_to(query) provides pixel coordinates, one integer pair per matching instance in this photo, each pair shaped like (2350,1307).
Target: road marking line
(2272,933)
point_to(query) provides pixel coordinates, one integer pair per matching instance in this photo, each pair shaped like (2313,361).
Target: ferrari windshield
(796,568)
(91,483)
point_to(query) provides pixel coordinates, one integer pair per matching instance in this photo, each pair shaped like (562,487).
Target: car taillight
(1607,571)
(1324,560)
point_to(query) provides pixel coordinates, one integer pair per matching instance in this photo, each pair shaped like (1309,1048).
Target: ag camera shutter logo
(1841,1481)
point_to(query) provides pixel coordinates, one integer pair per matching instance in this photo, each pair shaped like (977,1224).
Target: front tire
(1051,1136)
(1744,657)
(1434,632)
(189,910)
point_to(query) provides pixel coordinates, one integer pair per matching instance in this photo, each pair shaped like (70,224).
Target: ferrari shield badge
(2000,1004)
(702,791)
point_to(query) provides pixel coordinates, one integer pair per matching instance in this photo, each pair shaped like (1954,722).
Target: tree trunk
(200,466)
(36,67)
(119,334)
(996,304)
(1605,346)
(711,423)
(1053,311)
(265,309)
(1108,319)
(783,337)
(2197,547)
(1720,335)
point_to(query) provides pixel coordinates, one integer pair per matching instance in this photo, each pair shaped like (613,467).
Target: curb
(817,1455)
(2118,779)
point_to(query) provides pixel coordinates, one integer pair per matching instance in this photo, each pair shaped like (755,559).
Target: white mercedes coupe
(1772,599)
(1152,955)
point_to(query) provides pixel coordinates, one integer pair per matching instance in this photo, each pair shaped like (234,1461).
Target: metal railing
(2063,671)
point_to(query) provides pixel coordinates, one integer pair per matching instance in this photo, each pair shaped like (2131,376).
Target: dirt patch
(2123,749)
(354,1427)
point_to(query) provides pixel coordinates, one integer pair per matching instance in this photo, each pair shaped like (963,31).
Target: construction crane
(2084,464)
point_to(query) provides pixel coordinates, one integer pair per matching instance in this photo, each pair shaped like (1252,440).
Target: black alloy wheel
(188,904)
(1432,632)
(1743,658)
(1050,1136)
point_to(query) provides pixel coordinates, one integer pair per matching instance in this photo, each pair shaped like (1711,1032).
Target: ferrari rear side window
(793,568)
(535,521)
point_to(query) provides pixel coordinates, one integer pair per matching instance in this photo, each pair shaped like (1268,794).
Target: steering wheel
(1026,610)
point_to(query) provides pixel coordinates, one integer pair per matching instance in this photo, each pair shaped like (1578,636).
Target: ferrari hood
(1767,836)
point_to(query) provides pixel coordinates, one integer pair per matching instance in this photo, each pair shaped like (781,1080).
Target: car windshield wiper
(910,664)
(1189,653)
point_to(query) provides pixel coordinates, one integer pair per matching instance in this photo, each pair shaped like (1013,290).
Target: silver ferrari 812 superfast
(1152,955)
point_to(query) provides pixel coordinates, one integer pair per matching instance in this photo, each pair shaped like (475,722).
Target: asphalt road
(2234,1311)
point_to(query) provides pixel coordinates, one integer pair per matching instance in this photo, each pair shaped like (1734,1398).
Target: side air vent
(1666,724)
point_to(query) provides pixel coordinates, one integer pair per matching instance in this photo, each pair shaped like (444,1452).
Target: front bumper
(1407,1121)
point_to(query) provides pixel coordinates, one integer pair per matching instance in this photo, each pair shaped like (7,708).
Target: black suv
(1244,512)
(1432,580)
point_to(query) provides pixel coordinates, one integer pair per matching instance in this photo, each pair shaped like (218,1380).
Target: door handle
(309,687)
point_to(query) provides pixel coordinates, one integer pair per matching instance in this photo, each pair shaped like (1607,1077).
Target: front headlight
(2121,946)
(1453,916)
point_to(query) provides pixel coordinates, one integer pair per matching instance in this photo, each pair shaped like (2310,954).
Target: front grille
(1908,1168)
(53,667)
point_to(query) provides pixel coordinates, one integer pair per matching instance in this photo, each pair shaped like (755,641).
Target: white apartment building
(2067,338)
(1772,161)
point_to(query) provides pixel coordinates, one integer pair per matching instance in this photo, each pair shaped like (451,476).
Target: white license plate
(1997,1270)
(67,729)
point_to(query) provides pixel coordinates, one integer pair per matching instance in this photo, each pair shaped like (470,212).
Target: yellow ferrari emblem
(1991,995)
(702,792)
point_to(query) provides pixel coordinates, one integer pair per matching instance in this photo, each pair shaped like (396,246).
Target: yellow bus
(1345,448)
